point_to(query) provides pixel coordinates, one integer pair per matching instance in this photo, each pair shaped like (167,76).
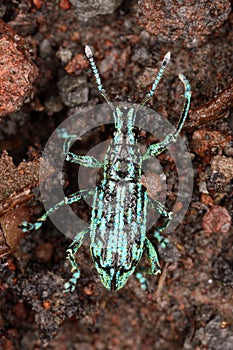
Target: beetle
(120,202)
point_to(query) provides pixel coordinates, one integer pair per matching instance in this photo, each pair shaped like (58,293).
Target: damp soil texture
(45,78)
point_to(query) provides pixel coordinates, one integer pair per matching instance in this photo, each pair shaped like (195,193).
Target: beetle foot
(163,241)
(71,284)
(142,280)
(28,226)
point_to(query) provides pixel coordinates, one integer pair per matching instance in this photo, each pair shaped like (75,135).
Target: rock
(17,71)
(190,22)
(86,9)
(73,91)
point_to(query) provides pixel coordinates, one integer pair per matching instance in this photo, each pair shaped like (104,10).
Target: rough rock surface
(17,72)
(190,22)
(87,9)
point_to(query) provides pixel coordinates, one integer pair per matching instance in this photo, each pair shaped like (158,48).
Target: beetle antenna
(163,66)
(95,70)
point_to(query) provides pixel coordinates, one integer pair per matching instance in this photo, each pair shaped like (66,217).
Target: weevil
(120,202)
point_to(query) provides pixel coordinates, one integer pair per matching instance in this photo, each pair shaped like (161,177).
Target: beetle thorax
(123,162)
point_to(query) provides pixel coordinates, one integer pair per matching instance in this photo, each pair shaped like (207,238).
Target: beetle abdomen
(118,230)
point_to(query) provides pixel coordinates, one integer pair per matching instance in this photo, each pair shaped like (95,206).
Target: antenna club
(167,57)
(186,84)
(88,52)
(182,78)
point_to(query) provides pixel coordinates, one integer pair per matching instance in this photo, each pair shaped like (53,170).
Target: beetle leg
(163,241)
(160,147)
(71,251)
(142,280)
(86,161)
(62,133)
(68,143)
(153,258)
(75,197)
(167,215)
(154,262)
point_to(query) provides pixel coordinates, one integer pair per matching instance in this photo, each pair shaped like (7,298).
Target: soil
(46,79)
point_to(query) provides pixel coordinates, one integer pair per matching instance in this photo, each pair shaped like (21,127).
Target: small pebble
(217,219)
